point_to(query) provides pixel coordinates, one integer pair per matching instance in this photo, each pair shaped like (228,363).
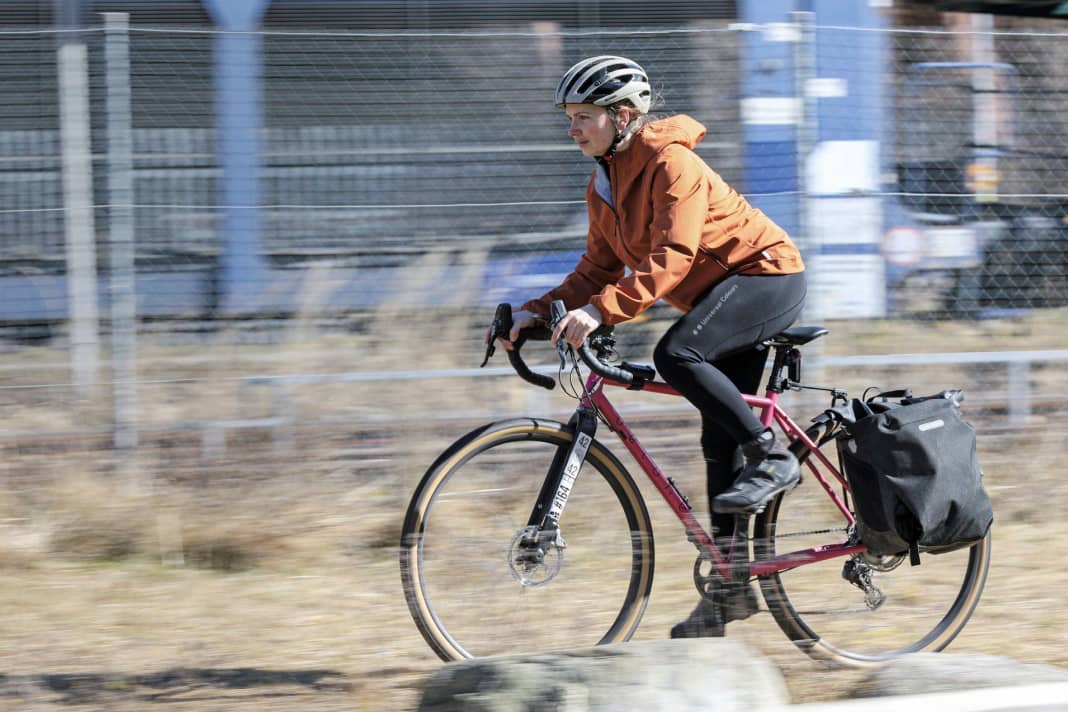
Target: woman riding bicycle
(663,225)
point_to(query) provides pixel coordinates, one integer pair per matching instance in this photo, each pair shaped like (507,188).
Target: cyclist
(664,225)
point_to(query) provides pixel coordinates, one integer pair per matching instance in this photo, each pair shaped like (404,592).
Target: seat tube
(767,411)
(563,471)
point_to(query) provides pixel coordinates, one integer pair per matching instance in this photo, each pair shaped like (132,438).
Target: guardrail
(1018,364)
(1020,396)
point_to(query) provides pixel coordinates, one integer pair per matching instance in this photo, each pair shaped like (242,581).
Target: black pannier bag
(915,478)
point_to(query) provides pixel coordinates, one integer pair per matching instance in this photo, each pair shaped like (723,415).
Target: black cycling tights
(711,355)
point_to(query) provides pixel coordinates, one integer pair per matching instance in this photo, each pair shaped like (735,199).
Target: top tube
(768,403)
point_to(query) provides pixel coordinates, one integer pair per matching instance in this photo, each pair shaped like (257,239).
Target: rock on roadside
(704,675)
(925,673)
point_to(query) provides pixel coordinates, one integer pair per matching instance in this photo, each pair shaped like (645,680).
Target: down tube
(679,506)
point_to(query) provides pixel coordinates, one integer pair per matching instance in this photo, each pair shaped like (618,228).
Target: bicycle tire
(457,554)
(827,617)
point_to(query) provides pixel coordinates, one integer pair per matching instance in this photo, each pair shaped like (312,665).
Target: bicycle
(529,533)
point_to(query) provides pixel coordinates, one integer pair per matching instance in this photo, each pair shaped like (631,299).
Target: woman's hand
(577,324)
(520,320)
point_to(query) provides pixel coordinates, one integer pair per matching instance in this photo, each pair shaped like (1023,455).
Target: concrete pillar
(242,270)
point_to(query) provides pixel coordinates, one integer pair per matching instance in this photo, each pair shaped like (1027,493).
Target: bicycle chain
(809,533)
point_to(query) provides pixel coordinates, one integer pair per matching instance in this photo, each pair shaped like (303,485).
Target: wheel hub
(535,557)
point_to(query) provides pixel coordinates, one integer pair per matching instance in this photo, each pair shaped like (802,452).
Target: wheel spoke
(475,582)
(907,608)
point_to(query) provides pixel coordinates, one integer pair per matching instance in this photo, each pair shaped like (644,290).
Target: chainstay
(787,535)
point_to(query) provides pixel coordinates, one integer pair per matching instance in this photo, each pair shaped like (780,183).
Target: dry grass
(246,577)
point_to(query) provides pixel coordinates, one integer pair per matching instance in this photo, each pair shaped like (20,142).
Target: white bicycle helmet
(605,80)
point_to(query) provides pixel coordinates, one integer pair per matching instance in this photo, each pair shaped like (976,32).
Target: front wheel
(471,584)
(861,610)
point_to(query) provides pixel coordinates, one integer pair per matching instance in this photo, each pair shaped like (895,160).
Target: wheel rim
(460,565)
(830,618)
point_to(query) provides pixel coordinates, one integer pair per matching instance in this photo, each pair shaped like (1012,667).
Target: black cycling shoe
(770,469)
(708,619)
(705,621)
(740,602)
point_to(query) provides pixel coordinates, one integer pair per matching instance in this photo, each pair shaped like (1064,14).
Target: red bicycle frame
(770,412)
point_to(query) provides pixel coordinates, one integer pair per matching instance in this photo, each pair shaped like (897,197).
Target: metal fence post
(807,137)
(807,127)
(121,230)
(73,68)
(1019,388)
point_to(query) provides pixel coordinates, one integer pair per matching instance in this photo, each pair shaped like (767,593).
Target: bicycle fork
(542,535)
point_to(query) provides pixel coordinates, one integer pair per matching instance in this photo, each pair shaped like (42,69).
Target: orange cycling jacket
(663,225)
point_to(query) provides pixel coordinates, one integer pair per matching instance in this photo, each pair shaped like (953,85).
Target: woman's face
(591,128)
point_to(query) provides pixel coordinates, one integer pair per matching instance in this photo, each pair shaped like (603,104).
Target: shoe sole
(759,507)
(703,633)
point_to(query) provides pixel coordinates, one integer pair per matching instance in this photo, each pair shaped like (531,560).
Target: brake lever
(561,350)
(558,311)
(500,327)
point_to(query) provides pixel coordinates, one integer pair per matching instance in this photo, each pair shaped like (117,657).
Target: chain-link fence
(981,151)
(246,276)
(375,146)
(391,186)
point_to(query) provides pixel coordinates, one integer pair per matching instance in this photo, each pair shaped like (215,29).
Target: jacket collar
(650,140)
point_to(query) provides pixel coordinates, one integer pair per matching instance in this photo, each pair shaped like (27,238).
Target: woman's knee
(672,354)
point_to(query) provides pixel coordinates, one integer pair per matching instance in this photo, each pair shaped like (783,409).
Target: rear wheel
(469,578)
(860,610)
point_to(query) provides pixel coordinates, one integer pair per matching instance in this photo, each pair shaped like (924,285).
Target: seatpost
(783,357)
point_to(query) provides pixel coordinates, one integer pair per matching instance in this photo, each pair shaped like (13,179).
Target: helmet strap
(621,134)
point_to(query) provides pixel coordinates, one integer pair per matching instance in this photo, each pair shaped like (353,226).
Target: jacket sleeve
(680,195)
(597,267)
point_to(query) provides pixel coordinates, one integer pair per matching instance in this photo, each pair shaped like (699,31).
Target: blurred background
(248,251)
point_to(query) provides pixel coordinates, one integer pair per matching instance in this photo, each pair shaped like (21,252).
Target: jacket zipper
(615,201)
(715,258)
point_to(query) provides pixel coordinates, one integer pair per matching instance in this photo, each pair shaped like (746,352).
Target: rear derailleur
(858,572)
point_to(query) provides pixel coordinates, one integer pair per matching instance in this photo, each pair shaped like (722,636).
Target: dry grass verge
(249,577)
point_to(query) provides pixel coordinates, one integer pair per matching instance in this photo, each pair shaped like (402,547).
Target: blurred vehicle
(959,244)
